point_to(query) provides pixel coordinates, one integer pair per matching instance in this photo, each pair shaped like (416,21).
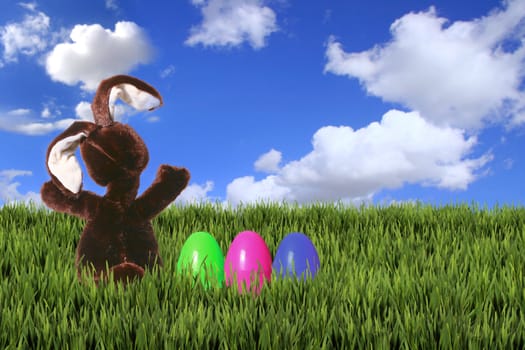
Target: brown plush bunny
(118,229)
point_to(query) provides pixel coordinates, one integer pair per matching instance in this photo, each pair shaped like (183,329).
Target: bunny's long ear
(135,92)
(61,161)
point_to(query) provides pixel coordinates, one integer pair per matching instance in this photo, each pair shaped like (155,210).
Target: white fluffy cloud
(112,5)
(46,113)
(95,53)
(461,74)
(153,119)
(23,121)
(167,72)
(268,162)
(84,112)
(231,22)
(9,189)
(31,6)
(28,37)
(195,193)
(347,164)
(247,190)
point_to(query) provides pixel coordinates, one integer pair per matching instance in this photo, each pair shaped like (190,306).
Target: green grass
(409,276)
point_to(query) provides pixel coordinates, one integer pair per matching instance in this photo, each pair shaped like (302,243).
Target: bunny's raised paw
(173,174)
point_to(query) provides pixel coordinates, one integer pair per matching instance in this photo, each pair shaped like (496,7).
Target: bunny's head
(112,151)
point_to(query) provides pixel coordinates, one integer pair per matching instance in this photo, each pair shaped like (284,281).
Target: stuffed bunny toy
(118,231)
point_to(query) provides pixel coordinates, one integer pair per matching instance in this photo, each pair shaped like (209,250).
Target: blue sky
(281,100)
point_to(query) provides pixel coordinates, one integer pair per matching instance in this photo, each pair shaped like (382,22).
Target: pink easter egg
(248,258)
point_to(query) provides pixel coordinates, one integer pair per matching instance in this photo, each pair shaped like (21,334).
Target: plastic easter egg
(202,255)
(248,259)
(296,254)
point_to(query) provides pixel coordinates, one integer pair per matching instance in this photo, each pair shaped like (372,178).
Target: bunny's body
(118,229)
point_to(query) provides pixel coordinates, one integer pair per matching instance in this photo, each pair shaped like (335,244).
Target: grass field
(408,276)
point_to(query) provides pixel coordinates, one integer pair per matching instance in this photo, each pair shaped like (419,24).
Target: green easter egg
(202,255)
